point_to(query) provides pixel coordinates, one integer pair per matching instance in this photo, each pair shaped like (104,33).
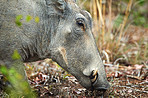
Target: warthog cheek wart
(63,53)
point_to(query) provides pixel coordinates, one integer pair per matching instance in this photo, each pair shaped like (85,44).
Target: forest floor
(48,79)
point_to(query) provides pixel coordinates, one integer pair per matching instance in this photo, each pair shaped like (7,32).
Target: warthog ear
(56,7)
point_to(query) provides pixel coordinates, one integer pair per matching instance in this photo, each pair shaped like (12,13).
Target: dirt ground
(49,80)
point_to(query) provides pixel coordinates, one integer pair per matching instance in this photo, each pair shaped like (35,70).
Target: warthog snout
(97,76)
(94,77)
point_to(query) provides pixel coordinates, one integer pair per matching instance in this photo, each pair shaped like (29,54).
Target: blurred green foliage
(37,19)
(140,13)
(18,87)
(140,20)
(28,18)
(118,21)
(18,20)
(15,55)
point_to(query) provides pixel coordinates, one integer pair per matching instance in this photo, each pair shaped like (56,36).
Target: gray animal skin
(63,33)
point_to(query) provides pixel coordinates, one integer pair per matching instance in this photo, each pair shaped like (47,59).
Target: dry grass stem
(100,12)
(125,20)
(110,16)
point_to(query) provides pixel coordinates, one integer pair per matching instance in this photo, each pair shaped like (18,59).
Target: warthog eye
(80,23)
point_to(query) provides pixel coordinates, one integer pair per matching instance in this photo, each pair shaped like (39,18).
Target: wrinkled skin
(64,33)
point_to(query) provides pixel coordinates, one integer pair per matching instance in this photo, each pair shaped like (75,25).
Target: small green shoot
(16,55)
(37,19)
(18,20)
(28,18)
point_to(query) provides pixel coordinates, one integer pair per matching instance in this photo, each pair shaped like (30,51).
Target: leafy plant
(17,86)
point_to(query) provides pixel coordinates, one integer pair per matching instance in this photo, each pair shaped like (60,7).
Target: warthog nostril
(94,76)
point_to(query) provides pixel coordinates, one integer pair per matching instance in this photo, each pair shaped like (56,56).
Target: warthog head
(64,33)
(73,46)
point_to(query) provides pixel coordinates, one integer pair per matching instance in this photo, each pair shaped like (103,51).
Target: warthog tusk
(94,79)
(94,76)
(95,72)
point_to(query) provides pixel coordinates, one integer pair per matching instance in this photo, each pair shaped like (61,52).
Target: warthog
(63,33)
